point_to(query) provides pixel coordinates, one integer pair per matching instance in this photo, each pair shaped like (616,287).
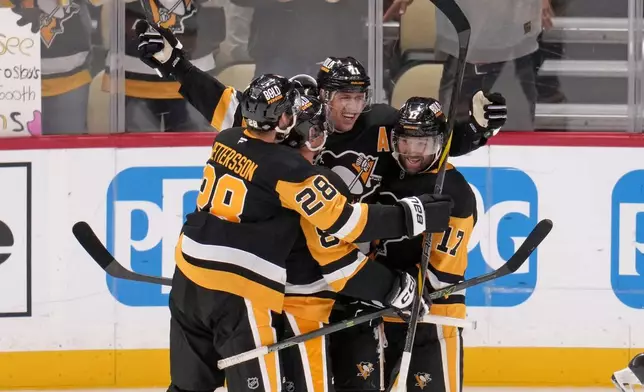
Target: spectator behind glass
(548,87)
(235,48)
(290,37)
(500,58)
(65,50)
(153,104)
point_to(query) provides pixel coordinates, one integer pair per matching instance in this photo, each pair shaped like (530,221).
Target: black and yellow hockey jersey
(320,266)
(218,103)
(65,42)
(251,198)
(448,256)
(199,27)
(363,155)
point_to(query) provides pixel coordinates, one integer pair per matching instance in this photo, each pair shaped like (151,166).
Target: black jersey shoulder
(378,114)
(365,129)
(274,161)
(454,185)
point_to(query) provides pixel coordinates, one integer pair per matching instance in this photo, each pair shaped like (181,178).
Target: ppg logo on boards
(627,239)
(146,207)
(507,201)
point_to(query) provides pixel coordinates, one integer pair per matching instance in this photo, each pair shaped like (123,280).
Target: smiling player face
(344,109)
(417,153)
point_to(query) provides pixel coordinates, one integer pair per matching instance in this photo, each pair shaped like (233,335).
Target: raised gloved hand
(161,50)
(429,213)
(488,114)
(401,296)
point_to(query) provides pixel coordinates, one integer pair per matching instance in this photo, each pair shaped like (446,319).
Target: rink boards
(571,316)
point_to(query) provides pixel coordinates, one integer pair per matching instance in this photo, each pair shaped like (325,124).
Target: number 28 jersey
(251,199)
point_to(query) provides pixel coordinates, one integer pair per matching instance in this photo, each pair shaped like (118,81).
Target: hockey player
(220,105)
(229,284)
(319,267)
(436,365)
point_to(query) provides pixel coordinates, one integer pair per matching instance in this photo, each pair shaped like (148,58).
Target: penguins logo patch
(365,369)
(172,13)
(52,19)
(356,170)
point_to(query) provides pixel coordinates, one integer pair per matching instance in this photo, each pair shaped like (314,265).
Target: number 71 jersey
(252,196)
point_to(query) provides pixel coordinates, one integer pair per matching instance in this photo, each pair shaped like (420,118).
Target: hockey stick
(455,15)
(536,236)
(90,242)
(97,251)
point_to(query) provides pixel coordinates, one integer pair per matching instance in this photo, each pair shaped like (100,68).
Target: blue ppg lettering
(627,239)
(507,201)
(146,207)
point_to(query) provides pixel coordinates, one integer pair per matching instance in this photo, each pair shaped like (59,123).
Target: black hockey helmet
(343,74)
(305,84)
(419,138)
(265,100)
(311,128)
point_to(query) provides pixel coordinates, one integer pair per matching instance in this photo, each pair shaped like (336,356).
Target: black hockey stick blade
(534,239)
(97,251)
(536,236)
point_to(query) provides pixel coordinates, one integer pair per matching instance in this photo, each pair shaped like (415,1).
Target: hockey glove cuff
(488,113)
(402,293)
(429,213)
(402,296)
(161,50)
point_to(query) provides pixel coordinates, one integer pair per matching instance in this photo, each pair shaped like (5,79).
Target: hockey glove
(488,114)
(401,296)
(161,50)
(426,213)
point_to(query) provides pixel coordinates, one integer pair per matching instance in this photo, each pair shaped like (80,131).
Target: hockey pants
(436,364)
(207,325)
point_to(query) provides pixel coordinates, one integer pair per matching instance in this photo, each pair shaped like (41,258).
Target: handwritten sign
(20,78)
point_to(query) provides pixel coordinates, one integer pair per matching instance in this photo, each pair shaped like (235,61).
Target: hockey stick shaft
(457,18)
(90,242)
(97,251)
(258,352)
(536,236)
